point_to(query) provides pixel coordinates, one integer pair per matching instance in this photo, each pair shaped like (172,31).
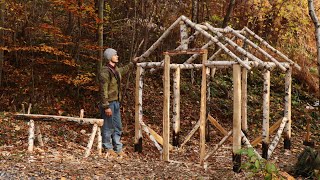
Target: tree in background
(316,23)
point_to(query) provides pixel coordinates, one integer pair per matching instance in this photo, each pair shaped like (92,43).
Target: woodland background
(49,57)
(49,48)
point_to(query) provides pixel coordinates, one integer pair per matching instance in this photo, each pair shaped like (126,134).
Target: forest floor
(62,156)
(65,143)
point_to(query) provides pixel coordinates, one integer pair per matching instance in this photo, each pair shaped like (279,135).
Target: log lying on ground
(35,117)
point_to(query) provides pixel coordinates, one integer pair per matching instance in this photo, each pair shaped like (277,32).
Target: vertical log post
(31,132)
(208,103)
(203,108)
(23,108)
(166,106)
(39,135)
(138,110)
(31,136)
(244,100)
(266,113)
(176,108)
(236,137)
(81,113)
(99,146)
(287,108)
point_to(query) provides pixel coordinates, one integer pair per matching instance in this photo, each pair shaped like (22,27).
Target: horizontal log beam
(40,117)
(187,51)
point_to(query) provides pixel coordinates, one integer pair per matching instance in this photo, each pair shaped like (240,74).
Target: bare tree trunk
(1,38)
(228,13)
(195,14)
(316,23)
(100,35)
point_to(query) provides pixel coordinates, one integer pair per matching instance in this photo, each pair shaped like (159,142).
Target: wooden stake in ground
(287,109)
(266,110)
(31,132)
(31,136)
(166,107)
(39,135)
(99,146)
(203,108)
(176,108)
(236,157)
(138,109)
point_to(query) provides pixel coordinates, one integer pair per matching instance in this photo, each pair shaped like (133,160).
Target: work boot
(111,154)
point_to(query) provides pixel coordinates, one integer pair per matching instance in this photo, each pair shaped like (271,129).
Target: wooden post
(31,136)
(183,35)
(236,137)
(39,135)
(91,139)
(176,108)
(287,108)
(29,108)
(266,112)
(166,106)
(138,109)
(81,113)
(209,103)
(244,100)
(23,109)
(31,132)
(203,108)
(99,146)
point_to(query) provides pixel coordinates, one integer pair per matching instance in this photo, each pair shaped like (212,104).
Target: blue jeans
(112,128)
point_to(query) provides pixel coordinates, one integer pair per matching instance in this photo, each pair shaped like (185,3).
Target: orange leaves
(80,80)
(62,78)
(70,63)
(42,48)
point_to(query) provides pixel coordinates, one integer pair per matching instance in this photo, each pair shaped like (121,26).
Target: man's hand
(135,60)
(108,112)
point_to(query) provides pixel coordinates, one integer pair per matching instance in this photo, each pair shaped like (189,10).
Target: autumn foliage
(51,53)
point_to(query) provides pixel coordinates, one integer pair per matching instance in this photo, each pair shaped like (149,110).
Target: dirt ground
(62,156)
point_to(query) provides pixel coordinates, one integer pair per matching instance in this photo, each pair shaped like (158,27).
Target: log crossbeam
(99,122)
(187,51)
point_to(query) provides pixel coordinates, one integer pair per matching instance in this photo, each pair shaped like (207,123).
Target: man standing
(110,89)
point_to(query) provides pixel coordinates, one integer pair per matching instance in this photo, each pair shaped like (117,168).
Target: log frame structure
(241,67)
